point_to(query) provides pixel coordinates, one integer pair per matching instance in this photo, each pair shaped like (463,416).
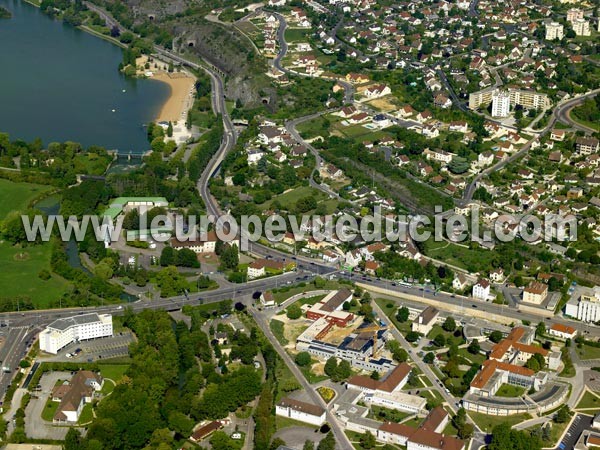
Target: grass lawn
(588,400)
(588,352)
(292,196)
(390,311)
(277,330)
(508,390)
(478,358)
(487,423)
(414,422)
(386,414)
(49,410)
(459,256)
(311,377)
(17,196)
(437,329)
(284,422)
(86,414)
(296,35)
(113,371)
(19,269)
(450,429)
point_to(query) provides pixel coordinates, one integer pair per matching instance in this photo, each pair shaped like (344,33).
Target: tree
(308,445)
(327,443)
(402,315)
(439,340)
(504,438)
(170,129)
(230,257)
(367,440)
(72,440)
(449,324)
(375,375)
(277,442)
(563,414)
(168,257)
(103,271)
(412,336)
(344,370)
(180,423)
(331,367)
(429,358)
(293,312)
(474,348)
(303,359)
(496,336)
(540,329)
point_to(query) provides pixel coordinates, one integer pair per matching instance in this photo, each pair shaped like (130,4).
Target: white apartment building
(62,332)
(584,304)
(500,104)
(581,27)
(302,411)
(554,30)
(574,14)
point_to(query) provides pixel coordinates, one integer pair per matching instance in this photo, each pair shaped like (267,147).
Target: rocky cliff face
(219,43)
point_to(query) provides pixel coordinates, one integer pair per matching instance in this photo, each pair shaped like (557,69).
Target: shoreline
(181,84)
(181,96)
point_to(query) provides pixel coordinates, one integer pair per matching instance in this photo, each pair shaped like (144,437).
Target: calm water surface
(60,83)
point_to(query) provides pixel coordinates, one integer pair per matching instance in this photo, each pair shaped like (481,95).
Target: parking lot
(35,426)
(104,348)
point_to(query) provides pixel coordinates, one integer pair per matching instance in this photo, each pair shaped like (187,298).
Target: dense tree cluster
(505,438)
(183,257)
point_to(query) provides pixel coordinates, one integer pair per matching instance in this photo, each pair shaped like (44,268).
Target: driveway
(35,426)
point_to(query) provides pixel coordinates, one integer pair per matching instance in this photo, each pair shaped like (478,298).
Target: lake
(59,83)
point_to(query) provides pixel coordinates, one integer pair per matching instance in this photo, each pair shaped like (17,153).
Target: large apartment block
(525,98)
(62,332)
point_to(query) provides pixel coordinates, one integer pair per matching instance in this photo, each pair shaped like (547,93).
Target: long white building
(62,332)
(584,304)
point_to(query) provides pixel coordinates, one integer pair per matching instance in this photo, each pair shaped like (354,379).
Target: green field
(292,196)
(17,196)
(589,400)
(588,352)
(19,269)
(277,330)
(487,423)
(86,414)
(50,410)
(295,35)
(113,371)
(458,255)
(508,390)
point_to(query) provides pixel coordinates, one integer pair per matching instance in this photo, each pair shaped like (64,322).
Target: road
(14,349)
(290,127)
(425,368)
(341,439)
(563,112)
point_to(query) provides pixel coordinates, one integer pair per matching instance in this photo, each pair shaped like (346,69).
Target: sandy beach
(181,98)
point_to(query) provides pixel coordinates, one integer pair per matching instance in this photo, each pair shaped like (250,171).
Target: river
(59,83)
